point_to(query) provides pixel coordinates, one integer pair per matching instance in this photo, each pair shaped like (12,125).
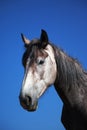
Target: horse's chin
(32,109)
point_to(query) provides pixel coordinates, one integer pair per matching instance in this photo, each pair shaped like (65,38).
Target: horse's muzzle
(28,103)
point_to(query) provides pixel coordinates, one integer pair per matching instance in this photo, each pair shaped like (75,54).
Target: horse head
(40,70)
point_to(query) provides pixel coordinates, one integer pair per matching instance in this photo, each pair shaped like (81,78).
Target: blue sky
(66,24)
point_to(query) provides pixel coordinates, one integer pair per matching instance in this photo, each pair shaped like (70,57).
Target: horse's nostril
(28,100)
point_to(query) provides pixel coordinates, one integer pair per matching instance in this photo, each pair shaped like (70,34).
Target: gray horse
(45,64)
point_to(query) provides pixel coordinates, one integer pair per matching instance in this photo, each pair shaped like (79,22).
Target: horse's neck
(71,81)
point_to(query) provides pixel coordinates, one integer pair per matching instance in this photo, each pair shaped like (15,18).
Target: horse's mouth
(29,107)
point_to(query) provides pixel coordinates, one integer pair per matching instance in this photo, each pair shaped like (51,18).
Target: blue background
(66,24)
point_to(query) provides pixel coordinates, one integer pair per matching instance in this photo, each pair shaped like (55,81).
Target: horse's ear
(25,40)
(43,38)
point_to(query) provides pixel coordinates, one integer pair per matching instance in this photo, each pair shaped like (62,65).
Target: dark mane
(71,76)
(71,85)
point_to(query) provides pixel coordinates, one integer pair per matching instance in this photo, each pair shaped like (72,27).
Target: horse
(45,65)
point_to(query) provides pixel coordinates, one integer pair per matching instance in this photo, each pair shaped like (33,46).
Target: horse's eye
(40,61)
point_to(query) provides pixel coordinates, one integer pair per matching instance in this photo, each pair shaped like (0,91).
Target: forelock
(29,52)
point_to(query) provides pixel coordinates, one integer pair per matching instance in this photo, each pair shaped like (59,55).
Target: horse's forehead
(35,52)
(41,53)
(32,51)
